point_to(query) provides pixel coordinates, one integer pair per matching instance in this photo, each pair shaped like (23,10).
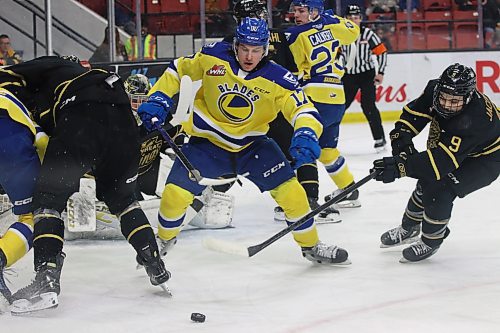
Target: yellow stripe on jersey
(233,108)
(450,154)
(434,166)
(415,113)
(410,126)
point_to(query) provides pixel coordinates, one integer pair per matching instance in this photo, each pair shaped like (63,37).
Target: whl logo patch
(217,70)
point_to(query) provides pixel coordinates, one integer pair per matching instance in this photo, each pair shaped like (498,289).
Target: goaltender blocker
(241,94)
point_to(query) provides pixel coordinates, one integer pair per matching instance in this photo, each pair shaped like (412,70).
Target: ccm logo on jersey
(68,100)
(23,202)
(273,169)
(217,70)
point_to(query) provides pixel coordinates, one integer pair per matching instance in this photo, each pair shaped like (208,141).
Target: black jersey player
(87,115)
(462,156)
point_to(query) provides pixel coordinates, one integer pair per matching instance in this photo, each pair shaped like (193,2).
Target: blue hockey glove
(390,168)
(157,106)
(304,147)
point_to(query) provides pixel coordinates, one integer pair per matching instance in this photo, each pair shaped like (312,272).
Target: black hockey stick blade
(194,174)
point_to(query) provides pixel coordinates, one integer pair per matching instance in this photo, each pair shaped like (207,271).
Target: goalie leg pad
(217,211)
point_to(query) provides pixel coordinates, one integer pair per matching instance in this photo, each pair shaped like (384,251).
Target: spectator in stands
(382,7)
(491,19)
(101,54)
(415,5)
(465,5)
(7,54)
(148,45)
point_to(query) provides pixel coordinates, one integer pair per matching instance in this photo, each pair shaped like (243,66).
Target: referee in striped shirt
(365,73)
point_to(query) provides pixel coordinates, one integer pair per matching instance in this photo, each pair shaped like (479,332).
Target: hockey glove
(390,168)
(304,147)
(157,106)
(401,142)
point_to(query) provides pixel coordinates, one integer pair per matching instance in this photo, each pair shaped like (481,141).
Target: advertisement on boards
(407,75)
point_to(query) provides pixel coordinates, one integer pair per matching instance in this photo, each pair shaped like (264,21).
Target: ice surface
(456,290)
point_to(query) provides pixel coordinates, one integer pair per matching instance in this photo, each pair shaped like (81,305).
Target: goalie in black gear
(87,115)
(462,156)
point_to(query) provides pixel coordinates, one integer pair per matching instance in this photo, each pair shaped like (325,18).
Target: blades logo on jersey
(235,106)
(217,70)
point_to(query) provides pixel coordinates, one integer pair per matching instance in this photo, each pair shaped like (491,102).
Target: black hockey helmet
(250,8)
(352,10)
(454,90)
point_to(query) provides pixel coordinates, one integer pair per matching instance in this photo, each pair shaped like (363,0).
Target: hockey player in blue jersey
(241,93)
(22,144)
(315,42)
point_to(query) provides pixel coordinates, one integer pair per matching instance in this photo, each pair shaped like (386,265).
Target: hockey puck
(197,317)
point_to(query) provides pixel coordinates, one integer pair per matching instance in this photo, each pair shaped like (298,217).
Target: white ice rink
(456,290)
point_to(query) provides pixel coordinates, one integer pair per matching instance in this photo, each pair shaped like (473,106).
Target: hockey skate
(155,267)
(279,214)
(399,236)
(42,293)
(5,294)
(380,145)
(324,254)
(418,251)
(328,215)
(350,201)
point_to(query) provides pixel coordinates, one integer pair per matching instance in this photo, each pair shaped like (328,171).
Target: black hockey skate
(399,236)
(418,251)
(380,145)
(42,293)
(324,254)
(328,215)
(279,214)
(155,267)
(4,290)
(350,201)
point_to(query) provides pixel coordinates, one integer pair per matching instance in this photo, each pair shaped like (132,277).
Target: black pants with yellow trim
(437,197)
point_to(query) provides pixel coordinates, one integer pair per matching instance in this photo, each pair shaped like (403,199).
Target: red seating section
(439,26)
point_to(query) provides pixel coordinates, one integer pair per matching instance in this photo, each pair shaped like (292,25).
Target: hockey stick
(236,248)
(184,102)
(194,174)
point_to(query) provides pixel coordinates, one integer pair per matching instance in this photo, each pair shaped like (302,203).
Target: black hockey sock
(48,239)
(414,210)
(136,229)
(308,178)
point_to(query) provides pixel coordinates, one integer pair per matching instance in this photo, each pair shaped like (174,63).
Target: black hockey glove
(390,168)
(401,142)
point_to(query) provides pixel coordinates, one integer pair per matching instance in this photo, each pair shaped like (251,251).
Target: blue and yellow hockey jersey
(314,46)
(233,108)
(11,105)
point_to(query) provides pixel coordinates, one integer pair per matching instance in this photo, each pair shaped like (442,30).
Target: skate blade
(339,264)
(166,289)
(406,241)
(43,302)
(327,220)
(347,204)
